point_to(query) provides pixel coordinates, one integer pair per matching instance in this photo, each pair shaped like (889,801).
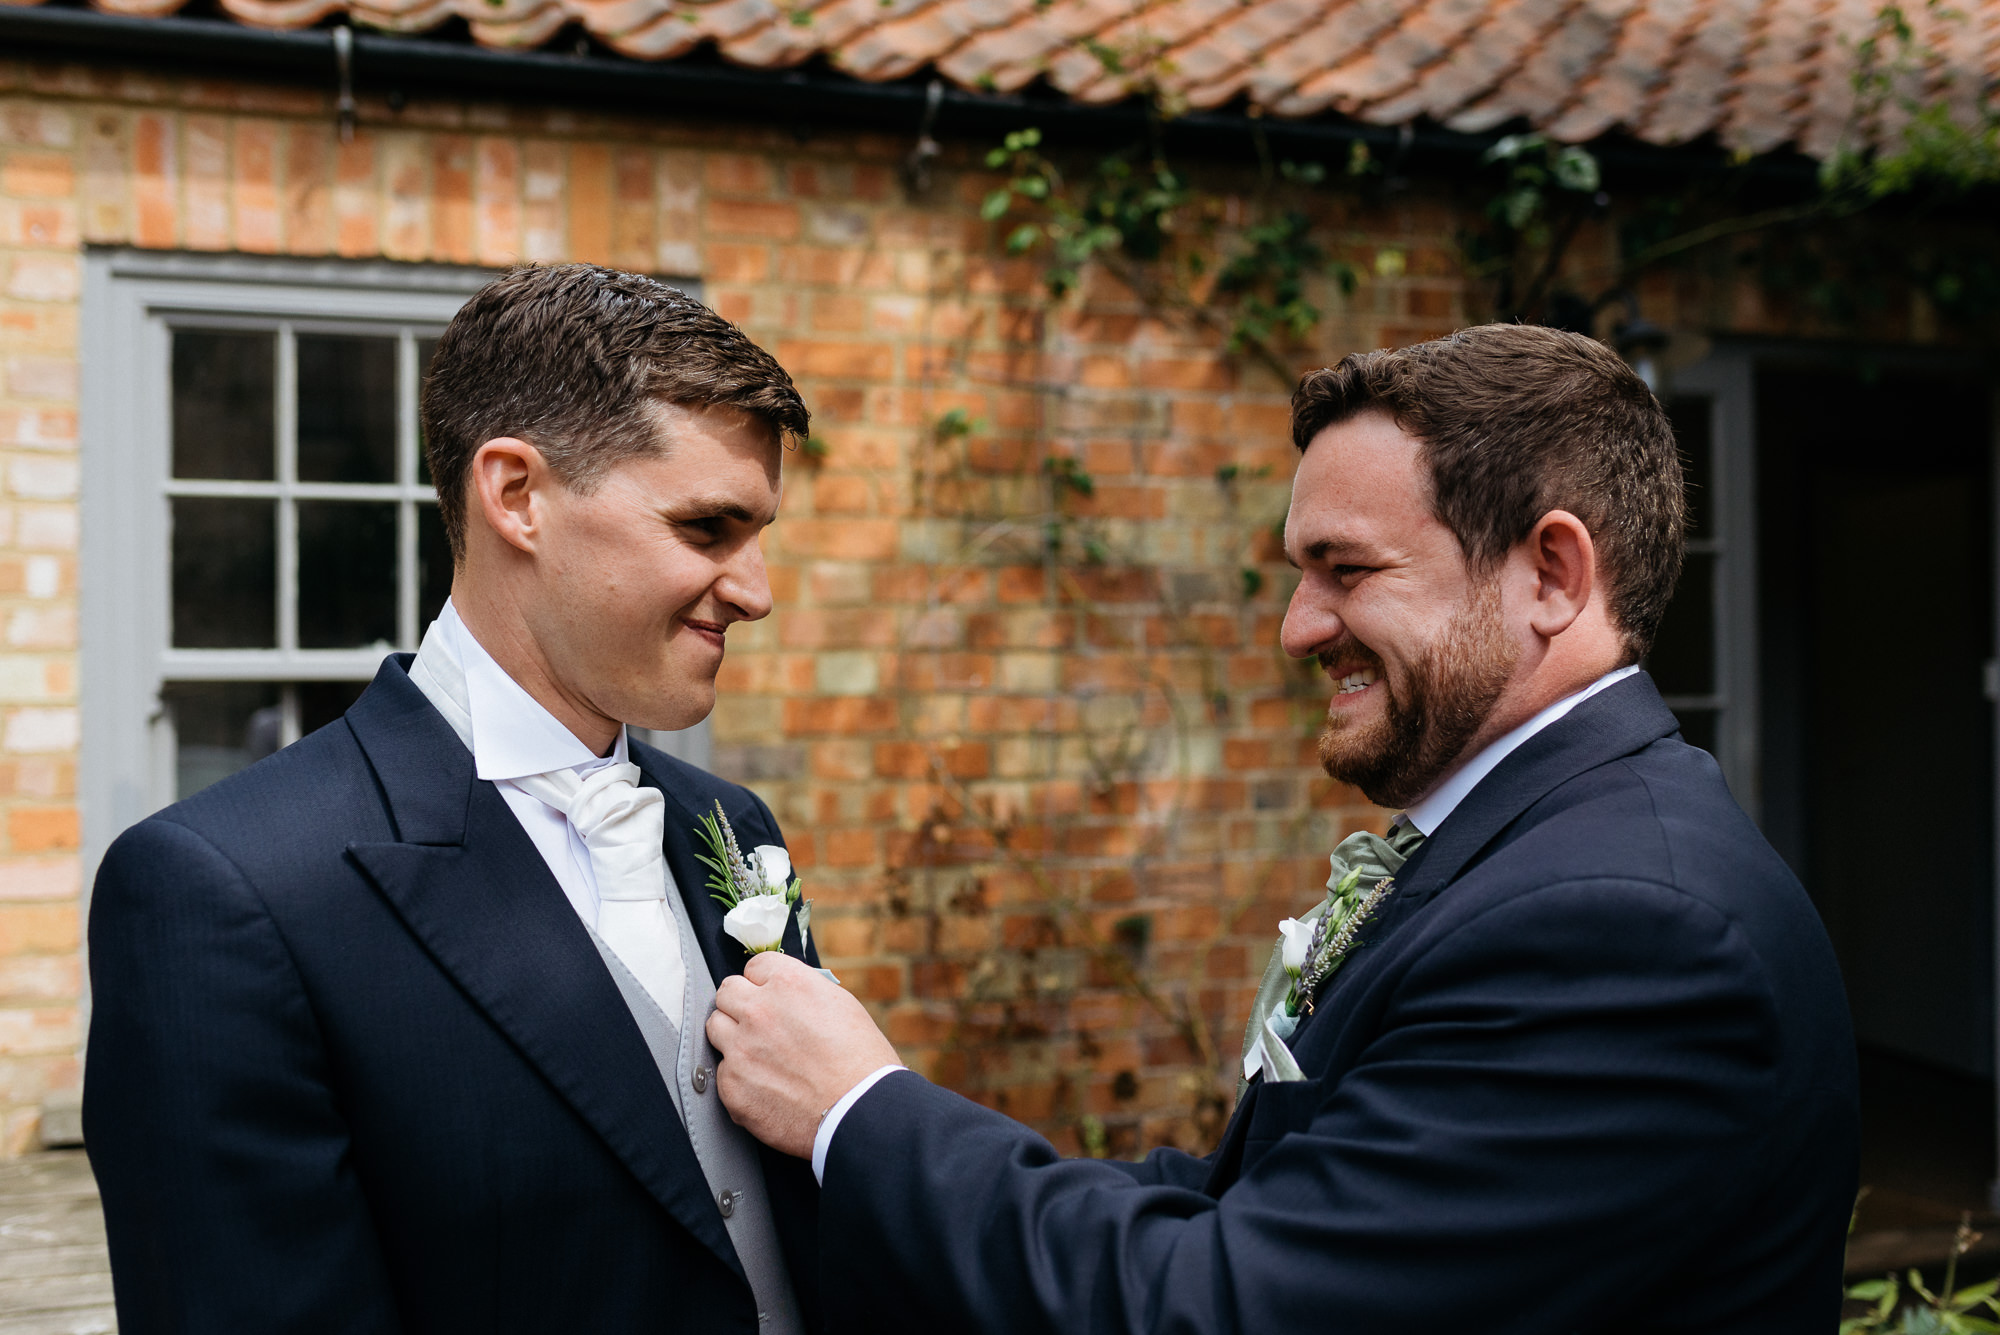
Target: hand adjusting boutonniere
(759,891)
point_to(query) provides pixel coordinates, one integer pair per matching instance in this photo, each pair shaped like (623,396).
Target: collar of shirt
(512,735)
(1430,811)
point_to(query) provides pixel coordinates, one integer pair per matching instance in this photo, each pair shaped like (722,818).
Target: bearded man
(1566,1052)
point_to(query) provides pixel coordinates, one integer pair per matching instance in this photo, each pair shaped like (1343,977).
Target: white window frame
(1726,378)
(131,299)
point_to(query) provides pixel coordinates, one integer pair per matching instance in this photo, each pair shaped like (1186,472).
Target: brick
(254,187)
(737,173)
(39,878)
(590,208)
(840,715)
(742,219)
(497,190)
(841,539)
(26,175)
(40,830)
(356,195)
(727,263)
(48,1029)
(30,730)
(544,220)
(308,190)
(854,361)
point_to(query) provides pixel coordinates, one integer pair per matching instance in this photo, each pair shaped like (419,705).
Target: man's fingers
(722,1029)
(768,965)
(734,994)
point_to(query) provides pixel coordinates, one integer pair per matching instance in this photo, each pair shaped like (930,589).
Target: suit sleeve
(1558,1101)
(229,1192)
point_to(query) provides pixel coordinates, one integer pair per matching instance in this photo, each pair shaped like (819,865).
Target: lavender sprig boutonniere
(759,890)
(1310,958)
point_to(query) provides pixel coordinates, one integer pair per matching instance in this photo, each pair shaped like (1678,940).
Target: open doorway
(1875,629)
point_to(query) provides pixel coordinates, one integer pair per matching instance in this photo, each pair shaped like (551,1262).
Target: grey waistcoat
(727,1153)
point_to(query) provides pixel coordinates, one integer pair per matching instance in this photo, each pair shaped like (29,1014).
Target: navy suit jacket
(1591,1071)
(356,1066)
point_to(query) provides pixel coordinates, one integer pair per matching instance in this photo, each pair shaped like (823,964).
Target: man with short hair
(1567,1051)
(401,1029)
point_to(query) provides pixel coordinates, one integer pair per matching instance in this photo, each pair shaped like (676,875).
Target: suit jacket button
(726,1202)
(700,1080)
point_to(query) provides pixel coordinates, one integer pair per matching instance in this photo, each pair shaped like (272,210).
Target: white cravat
(515,743)
(623,825)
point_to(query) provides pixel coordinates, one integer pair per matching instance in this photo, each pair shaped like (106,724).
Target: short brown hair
(568,358)
(1519,420)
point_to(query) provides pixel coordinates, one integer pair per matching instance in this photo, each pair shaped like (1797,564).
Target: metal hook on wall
(917,167)
(343,64)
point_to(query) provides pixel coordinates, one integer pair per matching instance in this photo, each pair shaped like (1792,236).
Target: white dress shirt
(1426,814)
(511,736)
(1429,811)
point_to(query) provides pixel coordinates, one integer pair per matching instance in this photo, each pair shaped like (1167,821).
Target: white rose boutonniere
(759,891)
(758,922)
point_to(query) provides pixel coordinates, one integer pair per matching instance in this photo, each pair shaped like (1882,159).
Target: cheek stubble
(1448,694)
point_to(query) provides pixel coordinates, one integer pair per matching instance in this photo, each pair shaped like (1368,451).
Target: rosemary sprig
(730,877)
(1320,968)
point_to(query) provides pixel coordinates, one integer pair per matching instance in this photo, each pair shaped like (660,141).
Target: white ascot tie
(623,825)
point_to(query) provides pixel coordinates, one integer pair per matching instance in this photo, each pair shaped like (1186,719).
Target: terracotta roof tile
(1756,74)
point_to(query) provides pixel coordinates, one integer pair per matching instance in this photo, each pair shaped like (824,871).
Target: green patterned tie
(1374,857)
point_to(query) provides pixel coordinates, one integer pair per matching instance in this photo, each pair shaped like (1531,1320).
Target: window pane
(426,348)
(225,574)
(347,574)
(1692,418)
(1698,728)
(224,419)
(347,408)
(220,727)
(321,702)
(1683,657)
(433,566)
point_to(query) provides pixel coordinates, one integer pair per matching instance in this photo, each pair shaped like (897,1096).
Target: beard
(1447,696)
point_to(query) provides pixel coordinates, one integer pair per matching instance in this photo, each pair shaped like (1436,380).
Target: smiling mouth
(707,629)
(1360,679)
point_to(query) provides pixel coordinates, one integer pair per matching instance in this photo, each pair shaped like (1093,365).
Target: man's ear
(1564,562)
(510,483)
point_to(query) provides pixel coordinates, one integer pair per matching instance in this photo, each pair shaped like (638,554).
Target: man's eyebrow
(711,507)
(1331,547)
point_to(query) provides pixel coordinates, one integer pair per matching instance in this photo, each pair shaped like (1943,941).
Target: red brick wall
(1041,804)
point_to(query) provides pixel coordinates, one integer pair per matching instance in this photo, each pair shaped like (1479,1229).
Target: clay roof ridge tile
(1577,62)
(1686,46)
(1536,81)
(1240,34)
(1425,35)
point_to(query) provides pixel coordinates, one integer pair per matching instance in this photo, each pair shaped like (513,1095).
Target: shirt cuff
(823,1139)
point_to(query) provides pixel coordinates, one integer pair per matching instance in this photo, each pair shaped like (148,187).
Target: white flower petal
(758,922)
(1297,938)
(776,865)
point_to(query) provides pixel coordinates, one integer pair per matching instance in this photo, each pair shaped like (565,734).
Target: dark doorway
(1875,552)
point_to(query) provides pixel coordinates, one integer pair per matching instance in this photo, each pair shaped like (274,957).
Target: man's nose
(1310,621)
(745,584)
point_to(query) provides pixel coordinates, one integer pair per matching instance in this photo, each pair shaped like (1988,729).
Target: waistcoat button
(726,1202)
(700,1080)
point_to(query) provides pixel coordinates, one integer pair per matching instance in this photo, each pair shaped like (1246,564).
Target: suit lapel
(1615,722)
(471,887)
(721,951)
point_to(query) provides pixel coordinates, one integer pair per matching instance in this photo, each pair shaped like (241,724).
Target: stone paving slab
(55,1277)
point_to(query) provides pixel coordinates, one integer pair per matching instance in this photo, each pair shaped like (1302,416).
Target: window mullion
(288,476)
(407,629)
